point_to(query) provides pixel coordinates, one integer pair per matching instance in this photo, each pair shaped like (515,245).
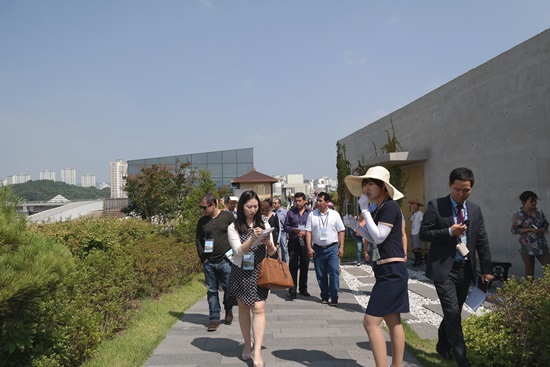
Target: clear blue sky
(83,83)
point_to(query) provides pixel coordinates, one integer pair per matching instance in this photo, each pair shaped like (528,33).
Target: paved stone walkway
(302,332)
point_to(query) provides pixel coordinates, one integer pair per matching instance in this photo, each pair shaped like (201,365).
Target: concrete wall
(495,120)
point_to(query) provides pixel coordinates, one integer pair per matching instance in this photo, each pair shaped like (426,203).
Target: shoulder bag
(274,273)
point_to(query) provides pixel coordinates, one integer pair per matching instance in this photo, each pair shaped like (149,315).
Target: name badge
(209,246)
(229,254)
(376,254)
(248,261)
(324,234)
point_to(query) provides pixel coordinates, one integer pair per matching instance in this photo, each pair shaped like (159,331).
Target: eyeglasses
(204,207)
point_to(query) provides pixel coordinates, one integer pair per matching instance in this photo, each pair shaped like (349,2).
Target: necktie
(459,215)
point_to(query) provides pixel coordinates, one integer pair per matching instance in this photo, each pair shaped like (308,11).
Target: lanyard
(324,223)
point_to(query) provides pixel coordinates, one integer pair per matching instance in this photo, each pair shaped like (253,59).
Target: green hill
(44,190)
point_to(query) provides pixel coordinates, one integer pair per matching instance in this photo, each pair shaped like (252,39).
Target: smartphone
(466,222)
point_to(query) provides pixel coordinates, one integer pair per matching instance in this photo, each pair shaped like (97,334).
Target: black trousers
(298,260)
(452,293)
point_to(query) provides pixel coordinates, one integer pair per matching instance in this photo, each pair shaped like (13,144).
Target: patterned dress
(530,243)
(243,283)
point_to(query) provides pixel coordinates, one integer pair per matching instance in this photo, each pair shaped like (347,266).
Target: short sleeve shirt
(331,221)
(389,212)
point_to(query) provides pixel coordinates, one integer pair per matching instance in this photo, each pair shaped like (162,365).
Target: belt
(327,246)
(460,264)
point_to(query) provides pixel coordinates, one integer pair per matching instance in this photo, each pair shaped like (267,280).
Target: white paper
(476,298)
(264,234)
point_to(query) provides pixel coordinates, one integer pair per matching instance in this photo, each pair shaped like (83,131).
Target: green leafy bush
(65,287)
(84,235)
(162,263)
(516,332)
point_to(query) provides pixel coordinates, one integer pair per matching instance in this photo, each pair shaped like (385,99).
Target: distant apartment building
(119,170)
(102,185)
(323,184)
(68,175)
(295,183)
(18,178)
(47,175)
(87,180)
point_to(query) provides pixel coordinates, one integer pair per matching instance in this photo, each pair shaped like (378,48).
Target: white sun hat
(355,183)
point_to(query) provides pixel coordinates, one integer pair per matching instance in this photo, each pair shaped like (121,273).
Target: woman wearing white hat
(389,297)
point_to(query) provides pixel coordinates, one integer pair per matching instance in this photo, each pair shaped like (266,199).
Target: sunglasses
(204,207)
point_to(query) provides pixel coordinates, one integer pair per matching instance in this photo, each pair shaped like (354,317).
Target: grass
(349,249)
(148,329)
(424,349)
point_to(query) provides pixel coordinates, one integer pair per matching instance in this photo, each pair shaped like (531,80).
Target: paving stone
(437,309)
(424,291)
(424,330)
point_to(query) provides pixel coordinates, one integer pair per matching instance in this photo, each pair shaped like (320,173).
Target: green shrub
(31,268)
(82,236)
(114,263)
(516,332)
(162,263)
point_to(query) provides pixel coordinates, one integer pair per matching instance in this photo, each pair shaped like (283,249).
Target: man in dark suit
(448,222)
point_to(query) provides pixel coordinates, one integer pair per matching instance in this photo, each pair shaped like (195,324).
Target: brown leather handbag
(274,273)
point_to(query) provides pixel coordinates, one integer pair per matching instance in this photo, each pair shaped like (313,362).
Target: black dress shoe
(444,353)
(291,295)
(305,294)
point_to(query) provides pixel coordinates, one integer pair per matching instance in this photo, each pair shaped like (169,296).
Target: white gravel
(416,301)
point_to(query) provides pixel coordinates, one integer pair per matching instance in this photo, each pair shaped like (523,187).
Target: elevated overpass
(67,211)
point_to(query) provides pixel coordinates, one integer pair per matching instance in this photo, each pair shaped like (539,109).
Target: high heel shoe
(247,356)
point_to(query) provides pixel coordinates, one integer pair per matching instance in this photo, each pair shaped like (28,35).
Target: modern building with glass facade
(225,165)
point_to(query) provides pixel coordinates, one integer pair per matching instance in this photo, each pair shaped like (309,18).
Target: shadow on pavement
(192,318)
(313,358)
(224,346)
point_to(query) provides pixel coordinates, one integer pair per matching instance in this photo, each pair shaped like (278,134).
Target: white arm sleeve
(378,233)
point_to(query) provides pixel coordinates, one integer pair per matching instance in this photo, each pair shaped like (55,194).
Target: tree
(157,193)
(31,268)
(342,170)
(190,211)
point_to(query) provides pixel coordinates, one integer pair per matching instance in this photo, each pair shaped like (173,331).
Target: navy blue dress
(390,293)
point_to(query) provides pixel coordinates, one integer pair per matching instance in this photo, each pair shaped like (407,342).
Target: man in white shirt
(416,221)
(325,245)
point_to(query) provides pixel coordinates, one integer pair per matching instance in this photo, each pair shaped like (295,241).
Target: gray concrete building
(495,120)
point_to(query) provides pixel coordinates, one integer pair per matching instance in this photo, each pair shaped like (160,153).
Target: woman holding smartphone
(247,257)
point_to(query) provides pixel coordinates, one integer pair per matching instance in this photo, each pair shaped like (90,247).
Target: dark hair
(324,195)
(240,222)
(210,199)
(461,174)
(300,195)
(268,200)
(265,208)
(377,182)
(526,195)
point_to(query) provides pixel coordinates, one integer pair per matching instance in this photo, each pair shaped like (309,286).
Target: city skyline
(88,176)
(84,83)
